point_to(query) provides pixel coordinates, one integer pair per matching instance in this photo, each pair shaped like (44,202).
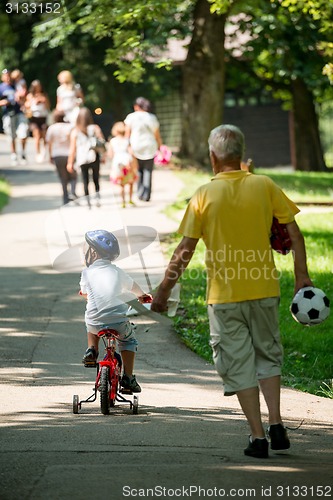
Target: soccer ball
(310,306)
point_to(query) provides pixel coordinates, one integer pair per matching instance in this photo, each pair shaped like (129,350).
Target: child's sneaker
(13,159)
(90,357)
(129,384)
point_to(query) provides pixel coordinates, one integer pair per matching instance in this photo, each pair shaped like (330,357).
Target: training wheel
(76,403)
(135,405)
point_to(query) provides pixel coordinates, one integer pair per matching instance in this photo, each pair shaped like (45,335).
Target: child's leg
(122,191)
(93,340)
(127,344)
(91,354)
(130,191)
(128,358)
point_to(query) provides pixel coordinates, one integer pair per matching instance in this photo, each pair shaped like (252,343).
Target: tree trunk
(308,149)
(203,82)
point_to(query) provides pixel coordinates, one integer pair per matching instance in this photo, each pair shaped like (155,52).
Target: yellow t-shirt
(233,215)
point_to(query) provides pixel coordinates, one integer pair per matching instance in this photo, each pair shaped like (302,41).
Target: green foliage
(303,186)
(220,6)
(4,193)
(137,31)
(308,364)
(327,390)
(286,41)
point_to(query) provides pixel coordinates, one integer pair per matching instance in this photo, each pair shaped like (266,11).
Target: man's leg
(249,401)
(140,186)
(271,388)
(147,179)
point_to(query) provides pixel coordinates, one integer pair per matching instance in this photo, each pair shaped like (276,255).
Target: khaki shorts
(246,344)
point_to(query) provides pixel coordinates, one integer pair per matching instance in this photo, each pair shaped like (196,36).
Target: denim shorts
(126,340)
(246,344)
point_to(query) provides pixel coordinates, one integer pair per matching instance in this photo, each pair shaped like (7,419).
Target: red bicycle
(108,378)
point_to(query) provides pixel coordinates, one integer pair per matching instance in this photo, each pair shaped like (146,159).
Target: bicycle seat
(108,332)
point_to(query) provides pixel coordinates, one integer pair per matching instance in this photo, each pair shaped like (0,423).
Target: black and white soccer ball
(310,306)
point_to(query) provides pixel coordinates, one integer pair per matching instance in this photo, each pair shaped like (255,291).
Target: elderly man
(233,215)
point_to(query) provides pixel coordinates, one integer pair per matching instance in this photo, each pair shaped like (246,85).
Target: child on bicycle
(102,283)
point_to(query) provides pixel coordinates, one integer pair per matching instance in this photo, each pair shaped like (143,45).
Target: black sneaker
(90,357)
(129,384)
(278,437)
(257,448)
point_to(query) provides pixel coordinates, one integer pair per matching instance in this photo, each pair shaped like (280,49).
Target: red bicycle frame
(112,360)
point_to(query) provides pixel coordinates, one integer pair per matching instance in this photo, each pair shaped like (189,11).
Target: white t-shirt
(58,135)
(69,101)
(121,156)
(39,110)
(143,126)
(84,152)
(68,96)
(104,283)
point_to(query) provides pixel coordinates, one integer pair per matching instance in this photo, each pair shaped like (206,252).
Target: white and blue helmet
(104,242)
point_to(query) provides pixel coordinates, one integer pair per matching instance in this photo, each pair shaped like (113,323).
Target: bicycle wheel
(135,405)
(75,404)
(104,390)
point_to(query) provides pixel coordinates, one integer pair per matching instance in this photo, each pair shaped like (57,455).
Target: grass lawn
(308,362)
(4,193)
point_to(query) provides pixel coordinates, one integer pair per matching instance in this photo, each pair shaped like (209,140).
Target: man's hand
(159,303)
(177,265)
(302,277)
(146,298)
(301,283)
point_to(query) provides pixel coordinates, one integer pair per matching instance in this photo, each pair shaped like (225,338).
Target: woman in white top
(82,151)
(37,107)
(69,96)
(143,130)
(58,140)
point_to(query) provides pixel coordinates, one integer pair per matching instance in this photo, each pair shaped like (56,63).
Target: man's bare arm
(302,278)
(177,265)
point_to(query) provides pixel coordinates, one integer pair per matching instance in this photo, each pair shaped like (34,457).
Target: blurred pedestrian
(37,107)
(69,96)
(14,121)
(83,152)
(58,141)
(123,165)
(143,130)
(21,89)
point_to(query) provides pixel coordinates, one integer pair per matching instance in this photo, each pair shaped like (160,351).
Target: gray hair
(227,141)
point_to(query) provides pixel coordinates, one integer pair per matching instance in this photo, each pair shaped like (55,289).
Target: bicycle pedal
(126,391)
(91,364)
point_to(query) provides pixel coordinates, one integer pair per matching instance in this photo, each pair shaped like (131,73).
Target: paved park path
(187,440)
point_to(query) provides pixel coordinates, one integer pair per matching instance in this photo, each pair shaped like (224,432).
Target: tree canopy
(289,49)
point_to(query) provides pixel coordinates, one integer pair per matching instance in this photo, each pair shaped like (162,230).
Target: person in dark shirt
(14,122)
